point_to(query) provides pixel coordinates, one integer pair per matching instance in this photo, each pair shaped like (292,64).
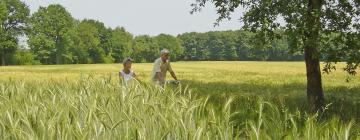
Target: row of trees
(234,45)
(55,37)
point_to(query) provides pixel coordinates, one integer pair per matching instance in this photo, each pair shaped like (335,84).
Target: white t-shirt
(127,77)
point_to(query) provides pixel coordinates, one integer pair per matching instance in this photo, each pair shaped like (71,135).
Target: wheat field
(216,100)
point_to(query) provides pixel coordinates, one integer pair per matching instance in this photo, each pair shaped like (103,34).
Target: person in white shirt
(127,74)
(161,66)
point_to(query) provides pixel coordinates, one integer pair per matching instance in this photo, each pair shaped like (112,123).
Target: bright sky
(139,17)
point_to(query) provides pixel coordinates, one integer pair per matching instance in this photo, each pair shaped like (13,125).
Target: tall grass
(100,108)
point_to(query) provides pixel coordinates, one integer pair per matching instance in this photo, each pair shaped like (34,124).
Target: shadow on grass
(344,102)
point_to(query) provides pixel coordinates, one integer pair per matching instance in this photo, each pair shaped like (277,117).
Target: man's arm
(173,75)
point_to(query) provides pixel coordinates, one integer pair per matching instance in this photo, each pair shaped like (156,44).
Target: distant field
(222,77)
(244,83)
(207,72)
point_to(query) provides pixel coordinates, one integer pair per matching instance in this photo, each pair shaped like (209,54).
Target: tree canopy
(13,20)
(55,37)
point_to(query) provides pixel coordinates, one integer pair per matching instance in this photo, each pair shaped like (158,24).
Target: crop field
(215,100)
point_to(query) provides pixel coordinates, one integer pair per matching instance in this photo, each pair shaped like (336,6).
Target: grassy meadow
(216,100)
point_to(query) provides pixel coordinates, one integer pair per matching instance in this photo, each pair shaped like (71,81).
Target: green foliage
(331,27)
(172,43)
(49,34)
(42,47)
(341,47)
(103,34)
(24,57)
(194,46)
(13,21)
(55,37)
(89,40)
(234,45)
(145,49)
(121,44)
(78,49)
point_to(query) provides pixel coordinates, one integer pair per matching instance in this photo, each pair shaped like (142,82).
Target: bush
(24,57)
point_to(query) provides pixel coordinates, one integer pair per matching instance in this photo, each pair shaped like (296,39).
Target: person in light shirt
(161,67)
(127,74)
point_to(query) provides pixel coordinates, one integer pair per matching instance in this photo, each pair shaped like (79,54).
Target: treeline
(234,45)
(55,37)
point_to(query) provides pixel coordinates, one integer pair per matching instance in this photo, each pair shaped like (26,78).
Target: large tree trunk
(311,44)
(314,86)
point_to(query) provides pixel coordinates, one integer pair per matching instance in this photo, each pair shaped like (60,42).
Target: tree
(145,49)
(24,56)
(89,38)
(195,45)
(305,22)
(215,44)
(99,47)
(42,47)
(172,43)
(189,43)
(13,23)
(49,35)
(120,43)
(230,38)
(79,52)
(243,45)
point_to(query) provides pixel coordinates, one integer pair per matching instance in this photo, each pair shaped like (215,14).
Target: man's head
(164,54)
(127,63)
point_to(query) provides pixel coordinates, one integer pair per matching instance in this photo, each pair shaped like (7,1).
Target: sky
(140,17)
